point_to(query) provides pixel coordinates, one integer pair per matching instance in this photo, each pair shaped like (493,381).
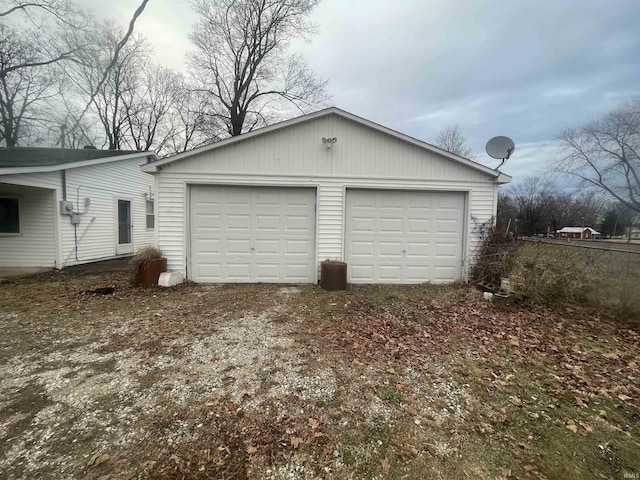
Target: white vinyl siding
(38,245)
(97,233)
(35,245)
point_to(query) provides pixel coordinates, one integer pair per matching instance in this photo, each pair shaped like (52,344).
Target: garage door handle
(404,251)
(252,249)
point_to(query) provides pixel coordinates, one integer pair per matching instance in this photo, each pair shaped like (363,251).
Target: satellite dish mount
(500,148)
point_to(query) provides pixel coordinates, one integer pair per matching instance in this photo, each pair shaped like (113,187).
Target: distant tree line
(67,79)
(536,206)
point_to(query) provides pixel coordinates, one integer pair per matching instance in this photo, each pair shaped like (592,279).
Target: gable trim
(153,167)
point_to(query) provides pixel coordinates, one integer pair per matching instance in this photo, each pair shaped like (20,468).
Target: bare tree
(605,153)
(147,105)
(452,140)
(532,198)
(44,25)
(241,60)
(105,83)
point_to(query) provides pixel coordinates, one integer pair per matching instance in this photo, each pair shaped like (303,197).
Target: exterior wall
(35,245)
(96,233)
(295,156)
(173,207)
(103,184)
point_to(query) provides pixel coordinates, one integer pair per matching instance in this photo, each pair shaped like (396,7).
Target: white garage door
(252,234)
(404,236)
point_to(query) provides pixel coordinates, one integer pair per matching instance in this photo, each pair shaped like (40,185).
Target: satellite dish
(501,148)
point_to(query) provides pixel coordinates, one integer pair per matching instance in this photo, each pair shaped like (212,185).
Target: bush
(495,257)
(559,274)
(144,254)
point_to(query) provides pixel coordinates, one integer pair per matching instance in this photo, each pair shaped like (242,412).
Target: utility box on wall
(66,208)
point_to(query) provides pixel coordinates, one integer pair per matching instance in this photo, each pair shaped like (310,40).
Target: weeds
(391,395)
(495,256)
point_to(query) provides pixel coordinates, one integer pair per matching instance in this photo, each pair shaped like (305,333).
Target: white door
(404,236)
(252,234)
(124,244)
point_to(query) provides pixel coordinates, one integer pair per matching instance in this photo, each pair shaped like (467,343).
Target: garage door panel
(391,225)
(362,248)
(446,250)
(404,236)
(238,246)
(360,273)
(419,225)
(363,224)
(252,234)
(269,223)
(390,273)
(208,221)
(447,226)
(298,223)
(297,247)
(421,249)
(387,248)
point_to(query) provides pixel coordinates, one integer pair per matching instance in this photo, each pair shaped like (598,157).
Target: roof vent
(89,147)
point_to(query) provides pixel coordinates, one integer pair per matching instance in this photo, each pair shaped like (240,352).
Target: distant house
(586,233)
(634,234)
(62,207)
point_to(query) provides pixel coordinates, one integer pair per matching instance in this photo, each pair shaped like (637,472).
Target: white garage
(272,204)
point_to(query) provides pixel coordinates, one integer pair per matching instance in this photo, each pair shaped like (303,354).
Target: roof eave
(67,166)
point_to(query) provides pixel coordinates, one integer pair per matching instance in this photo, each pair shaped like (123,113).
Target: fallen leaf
(314,422)
(295,442)
(624,397)
(98,460)
(516,401)
(251,450)
(572,426)
(386,464)
(148,463)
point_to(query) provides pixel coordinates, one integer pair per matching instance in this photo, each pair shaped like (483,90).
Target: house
(634,234)
(272,204)
(586,233)
(62,207)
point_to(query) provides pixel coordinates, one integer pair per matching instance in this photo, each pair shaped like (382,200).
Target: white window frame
(152,214)
(19,232)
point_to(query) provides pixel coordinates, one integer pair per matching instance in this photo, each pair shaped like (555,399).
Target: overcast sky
(524,69)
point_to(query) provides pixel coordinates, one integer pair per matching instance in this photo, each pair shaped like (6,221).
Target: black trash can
(333,275)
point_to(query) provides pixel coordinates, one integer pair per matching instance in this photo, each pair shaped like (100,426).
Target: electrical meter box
(66,208)
(75,218)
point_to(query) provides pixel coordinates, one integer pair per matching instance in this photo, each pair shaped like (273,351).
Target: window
(151,220)
(9,215)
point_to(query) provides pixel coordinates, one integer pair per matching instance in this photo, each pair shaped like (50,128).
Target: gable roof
(41,159)
(577,230)
(152,167)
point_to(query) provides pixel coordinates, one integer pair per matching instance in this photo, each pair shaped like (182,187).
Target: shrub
(495,256)
(142,255)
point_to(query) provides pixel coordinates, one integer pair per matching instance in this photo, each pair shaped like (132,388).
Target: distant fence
(555,271)
(600,276)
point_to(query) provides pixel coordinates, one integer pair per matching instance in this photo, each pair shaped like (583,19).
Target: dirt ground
(99,379)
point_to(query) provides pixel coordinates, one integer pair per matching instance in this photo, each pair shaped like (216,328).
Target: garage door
(252,234)
(404,236)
